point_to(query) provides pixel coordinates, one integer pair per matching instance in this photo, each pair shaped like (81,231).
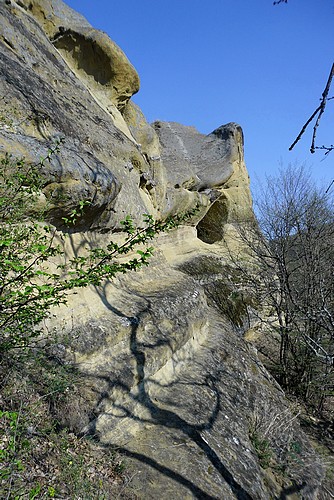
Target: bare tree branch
(304,128)
(320,109)
(327,190)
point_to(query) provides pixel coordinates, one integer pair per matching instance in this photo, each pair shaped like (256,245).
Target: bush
(30,282)
(39,457)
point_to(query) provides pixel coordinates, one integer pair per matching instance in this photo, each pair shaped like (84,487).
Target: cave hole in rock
(146,183)
(210,229)
(85,55)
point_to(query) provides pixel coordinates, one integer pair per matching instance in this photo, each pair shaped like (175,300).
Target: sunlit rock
(167,376)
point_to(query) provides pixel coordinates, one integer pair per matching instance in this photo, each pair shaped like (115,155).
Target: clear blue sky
(206,63)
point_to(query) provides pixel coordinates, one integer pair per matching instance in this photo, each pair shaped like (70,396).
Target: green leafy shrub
(30,281)
(39,457)
(40,461)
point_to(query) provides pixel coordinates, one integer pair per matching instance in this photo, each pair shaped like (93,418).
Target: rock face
(167,375)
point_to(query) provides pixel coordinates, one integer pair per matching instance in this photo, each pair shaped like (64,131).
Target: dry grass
(282,448)
(39,459)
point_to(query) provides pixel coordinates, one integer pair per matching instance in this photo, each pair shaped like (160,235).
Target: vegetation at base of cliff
(291,274)
(275,442)
(39,457)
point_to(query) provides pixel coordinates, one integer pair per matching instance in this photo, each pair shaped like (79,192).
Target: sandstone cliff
(169,378)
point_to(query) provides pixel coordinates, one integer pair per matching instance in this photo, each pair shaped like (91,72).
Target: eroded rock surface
(167,375)
(172,384)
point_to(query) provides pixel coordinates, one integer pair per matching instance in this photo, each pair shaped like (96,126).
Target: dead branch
(320,110)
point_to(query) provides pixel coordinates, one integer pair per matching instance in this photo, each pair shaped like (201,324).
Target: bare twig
(126,484)
(327,149)
(304,128)
(320,109)
(330,494)
(329,186)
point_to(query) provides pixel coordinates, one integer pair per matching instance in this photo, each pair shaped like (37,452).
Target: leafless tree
(291,251)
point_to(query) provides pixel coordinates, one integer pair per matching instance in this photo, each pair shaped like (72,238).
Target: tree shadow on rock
(155,415)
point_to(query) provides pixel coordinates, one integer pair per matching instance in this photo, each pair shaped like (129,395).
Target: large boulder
(171,383)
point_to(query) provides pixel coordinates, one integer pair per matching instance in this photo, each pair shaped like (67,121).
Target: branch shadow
(165,417)
(197,492)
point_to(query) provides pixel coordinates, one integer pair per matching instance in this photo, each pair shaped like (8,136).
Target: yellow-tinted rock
(167,377)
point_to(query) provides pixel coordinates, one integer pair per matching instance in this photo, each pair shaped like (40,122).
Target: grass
(40,458)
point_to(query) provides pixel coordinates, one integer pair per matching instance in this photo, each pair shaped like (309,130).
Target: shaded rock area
(167,376)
